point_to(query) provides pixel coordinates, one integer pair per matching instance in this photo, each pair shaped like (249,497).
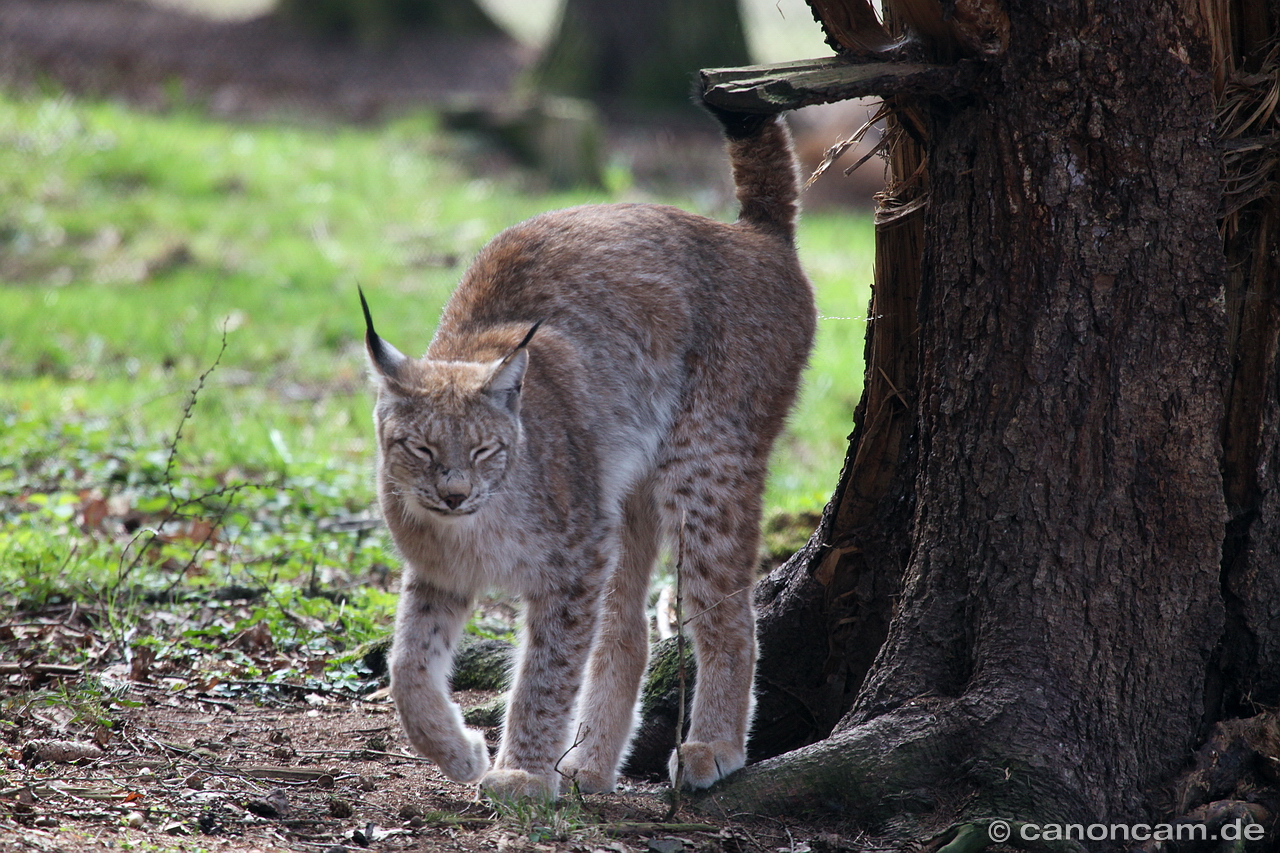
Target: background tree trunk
(643,56)
(1057,485)
(376,21)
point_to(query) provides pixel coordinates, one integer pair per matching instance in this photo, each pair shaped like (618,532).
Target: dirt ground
(188,756)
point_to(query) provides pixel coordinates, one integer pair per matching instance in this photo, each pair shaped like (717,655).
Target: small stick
(583,731)
(678,782)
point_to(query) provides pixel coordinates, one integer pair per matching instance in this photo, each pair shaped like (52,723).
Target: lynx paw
(589,781)
(707,763)
(520,785)
(467,760)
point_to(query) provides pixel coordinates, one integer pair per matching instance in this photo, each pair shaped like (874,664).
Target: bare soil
(149,756)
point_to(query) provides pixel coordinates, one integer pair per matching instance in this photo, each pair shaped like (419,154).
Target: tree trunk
(1056,487)
(376,21)
(623,54)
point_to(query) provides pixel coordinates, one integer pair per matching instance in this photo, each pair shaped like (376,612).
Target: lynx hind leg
(428,623)
(606,715)
(719,505)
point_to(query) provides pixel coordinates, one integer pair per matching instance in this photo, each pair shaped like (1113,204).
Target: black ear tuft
(529,336)
(386,358)
(368,318)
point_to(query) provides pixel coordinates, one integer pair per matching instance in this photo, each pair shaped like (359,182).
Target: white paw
(520,785)
(588,780)
(706,763)
(466,760)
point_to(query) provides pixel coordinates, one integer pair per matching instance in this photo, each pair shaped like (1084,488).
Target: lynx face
(447,435)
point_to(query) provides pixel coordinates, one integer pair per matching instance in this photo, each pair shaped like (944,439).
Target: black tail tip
(736,125)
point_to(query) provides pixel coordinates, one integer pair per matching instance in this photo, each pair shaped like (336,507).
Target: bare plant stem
(186,414)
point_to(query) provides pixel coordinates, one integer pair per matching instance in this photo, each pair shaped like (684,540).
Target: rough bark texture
(1048,654)
(1064,575)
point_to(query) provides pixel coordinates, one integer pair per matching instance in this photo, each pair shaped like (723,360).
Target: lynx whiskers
(600,374)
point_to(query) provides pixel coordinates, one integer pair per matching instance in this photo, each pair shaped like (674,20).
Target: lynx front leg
(428,623)
(553,650)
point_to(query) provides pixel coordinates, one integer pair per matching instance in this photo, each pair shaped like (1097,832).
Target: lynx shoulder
(601,377)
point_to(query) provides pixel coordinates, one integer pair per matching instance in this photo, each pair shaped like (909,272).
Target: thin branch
(678,783)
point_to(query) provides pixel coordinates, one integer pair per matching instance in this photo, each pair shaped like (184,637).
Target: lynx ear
(506,380)
(385,358)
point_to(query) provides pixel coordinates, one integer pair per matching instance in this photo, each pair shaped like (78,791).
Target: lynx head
(448,431)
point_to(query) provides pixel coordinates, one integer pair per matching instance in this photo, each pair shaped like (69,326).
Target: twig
(678,783)
(178,505)
(578,738)
(33,668)
(713,605)
(624,827)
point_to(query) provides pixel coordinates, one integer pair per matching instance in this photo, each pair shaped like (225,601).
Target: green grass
(132,245)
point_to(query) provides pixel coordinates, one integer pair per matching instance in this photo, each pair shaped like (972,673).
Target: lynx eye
(423,450)
(484,451)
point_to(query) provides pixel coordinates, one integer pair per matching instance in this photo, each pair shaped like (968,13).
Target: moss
(486,715)
(662,680)
(482,664)
(784,533)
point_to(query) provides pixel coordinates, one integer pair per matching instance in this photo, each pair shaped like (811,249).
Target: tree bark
(1062,598)
(1049,654)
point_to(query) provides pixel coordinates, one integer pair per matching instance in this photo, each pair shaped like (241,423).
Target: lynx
(603,378)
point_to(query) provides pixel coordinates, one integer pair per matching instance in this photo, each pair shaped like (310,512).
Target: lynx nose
(454,488)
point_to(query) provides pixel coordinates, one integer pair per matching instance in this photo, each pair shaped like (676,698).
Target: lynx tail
(764,168)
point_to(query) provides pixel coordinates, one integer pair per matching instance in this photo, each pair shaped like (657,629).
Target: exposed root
(945,769)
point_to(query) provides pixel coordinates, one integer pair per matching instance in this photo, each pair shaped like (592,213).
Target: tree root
(965,838)
(1239,759)
(870,769)
(1228,799)
(950,770)
(945,769)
